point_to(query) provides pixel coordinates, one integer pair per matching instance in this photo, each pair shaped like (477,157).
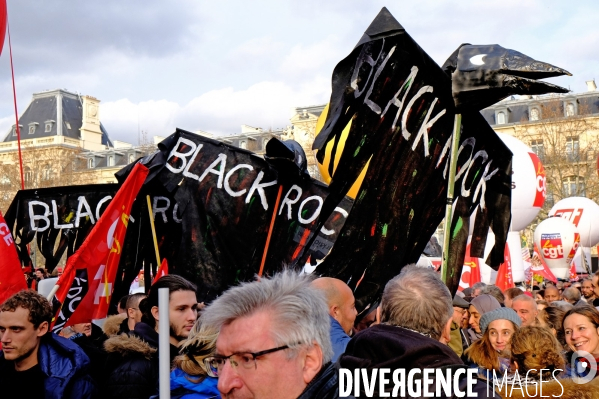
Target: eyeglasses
(243,360)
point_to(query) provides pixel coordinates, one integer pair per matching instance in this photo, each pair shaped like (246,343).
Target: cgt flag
(86,285)
(162,271)
(539,267)
(11,275)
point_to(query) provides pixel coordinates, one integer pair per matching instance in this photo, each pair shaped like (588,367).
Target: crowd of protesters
(289,335)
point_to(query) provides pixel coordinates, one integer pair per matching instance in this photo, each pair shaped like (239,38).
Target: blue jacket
(182,388)
(66,368)
(339,339)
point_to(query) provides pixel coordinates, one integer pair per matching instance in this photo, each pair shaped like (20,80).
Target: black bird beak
(485,74)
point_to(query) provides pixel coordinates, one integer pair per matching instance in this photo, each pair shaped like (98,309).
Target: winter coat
(390,347)
(183,387)
(113,324)
(66,368)
(133,362)
(339,339)
(325,385)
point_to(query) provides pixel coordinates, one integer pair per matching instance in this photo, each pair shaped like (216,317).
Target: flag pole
(164,344)
(453,161)
(14,93)
(272,224)
(153,232)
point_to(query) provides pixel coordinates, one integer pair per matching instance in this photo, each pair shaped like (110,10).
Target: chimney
(591,86)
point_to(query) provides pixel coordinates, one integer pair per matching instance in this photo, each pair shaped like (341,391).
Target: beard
(177,334)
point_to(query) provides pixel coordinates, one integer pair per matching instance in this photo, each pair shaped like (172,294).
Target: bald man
(551,294)
(342,309)
(527,310)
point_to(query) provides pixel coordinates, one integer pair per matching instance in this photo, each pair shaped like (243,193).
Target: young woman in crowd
(478,307)
(536,356)
(492,351)
(552,318)
(190,378)
(581,330)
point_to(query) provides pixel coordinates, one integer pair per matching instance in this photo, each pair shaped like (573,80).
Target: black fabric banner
(221,204)
(400,105)
(56,220)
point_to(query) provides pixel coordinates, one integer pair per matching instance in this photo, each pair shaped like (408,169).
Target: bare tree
(564,136)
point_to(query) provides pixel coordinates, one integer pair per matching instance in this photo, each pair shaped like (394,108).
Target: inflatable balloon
(557,240)
(323,167)
(528,183)
(582,213)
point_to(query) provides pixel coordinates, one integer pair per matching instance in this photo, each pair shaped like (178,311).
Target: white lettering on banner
(427,122)
(55,213)
(367,101)
(186,171)
(156,209)
(228,177)
(328,232)
(181,155)
(361,60)
(33,217)
(88,212)
(5,232)
(99,206)
(175,217)
(258,186)
(288,202)
(316,212)
(220,172)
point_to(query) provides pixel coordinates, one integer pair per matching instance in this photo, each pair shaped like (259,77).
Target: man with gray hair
(273,340)
(571,295)
(416,317)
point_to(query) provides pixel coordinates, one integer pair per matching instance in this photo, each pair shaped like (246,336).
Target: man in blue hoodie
(34,362)
(342,310)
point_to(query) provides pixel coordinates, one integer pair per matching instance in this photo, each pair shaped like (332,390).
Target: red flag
(573,275)
(90,272)
(505,278)
(12,279)
(162,271)
(470,272)
(538,266)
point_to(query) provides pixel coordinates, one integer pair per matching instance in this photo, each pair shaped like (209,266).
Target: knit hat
(485,303)
(459,302)
(499,314)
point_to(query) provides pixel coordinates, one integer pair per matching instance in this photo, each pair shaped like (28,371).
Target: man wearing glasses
(273,340)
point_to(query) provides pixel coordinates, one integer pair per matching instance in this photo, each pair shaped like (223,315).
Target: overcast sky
(214,65)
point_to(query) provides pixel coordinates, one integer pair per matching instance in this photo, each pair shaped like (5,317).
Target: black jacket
(325,385)
(390,347)
(133,364)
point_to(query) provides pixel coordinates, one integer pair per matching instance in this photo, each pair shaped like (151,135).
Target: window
(501,118)
(111,160)
(572,148)
(243,144)
(91,163)
(534,114)
(31,129)
(47,172)
(68,125)
(131,158)
(48,127)
(570,109)
(28,174)
(14,131)
(538,148)
(574,186)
